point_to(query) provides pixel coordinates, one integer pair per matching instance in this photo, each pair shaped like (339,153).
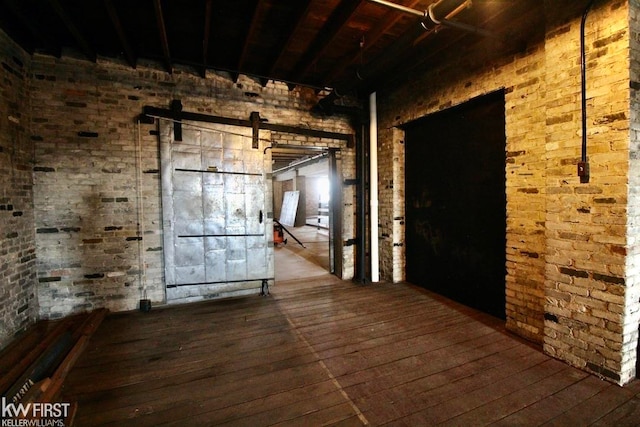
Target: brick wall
(391,204)
(86,196)
(632,279)
(522,78)
(586,223)
(571,249)
(18,303)
(67,128)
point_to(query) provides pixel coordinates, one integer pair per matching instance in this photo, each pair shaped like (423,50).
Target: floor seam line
(333,379)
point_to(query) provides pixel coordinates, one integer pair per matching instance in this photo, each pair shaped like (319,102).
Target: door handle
(260,216)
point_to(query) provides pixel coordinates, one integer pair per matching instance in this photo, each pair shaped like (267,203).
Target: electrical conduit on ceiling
(449,8)
(430,21)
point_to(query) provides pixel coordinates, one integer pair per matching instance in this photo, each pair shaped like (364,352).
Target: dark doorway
(456,203)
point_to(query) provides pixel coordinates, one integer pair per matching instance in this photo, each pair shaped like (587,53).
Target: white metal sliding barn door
(216,220)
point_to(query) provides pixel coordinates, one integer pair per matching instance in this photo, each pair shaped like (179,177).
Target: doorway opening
(303,208)
(456,203)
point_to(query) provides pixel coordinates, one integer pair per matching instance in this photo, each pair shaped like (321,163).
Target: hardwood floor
(293,261)
(321,351)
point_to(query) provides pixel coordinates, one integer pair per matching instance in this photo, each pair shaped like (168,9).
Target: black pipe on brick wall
(583,165)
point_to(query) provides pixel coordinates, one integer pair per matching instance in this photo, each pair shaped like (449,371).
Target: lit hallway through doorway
(294,262)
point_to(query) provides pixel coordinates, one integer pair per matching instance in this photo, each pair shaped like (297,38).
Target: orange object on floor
(278,235)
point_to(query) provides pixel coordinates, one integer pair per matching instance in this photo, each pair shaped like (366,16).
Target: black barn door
(456,203)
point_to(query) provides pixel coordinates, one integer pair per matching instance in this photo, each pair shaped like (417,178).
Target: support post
(373,186)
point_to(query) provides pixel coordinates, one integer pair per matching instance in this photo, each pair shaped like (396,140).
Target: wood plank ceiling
(348,47)
(349,44)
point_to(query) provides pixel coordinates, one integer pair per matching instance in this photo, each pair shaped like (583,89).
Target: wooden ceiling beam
(390,55)
(124,41)
(251,33)
(298,22)
(84,45)
(32,27)
(206,36)
(401,51)
(162,31)
(422,52)
(325,36)
(369,39)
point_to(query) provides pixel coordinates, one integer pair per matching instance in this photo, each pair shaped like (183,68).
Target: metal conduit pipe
(299,163)
(583,165)
(457,25)
(441,8)
(401,8)
(446,8)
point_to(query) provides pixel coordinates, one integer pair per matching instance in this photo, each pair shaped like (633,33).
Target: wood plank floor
(325,352)
(294,261)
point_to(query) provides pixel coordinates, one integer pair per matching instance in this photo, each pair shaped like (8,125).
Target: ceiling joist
(317,44)
(84,45)
(301,14)
(32,28)
(206,36)
(251,34)
(325,36)
(162,32)
(124,42)
(368,40)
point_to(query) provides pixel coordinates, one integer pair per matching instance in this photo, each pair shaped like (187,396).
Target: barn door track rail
(255,122)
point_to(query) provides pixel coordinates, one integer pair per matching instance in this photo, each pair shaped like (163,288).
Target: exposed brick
(530,254)
(47,230)
(550,213)
(573,272)
(609,279)
(70,229)
(86,134)
(92,241)
(559,119)
(603,200)
(600,370)
(578,229)
(75,104)
(91,143)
